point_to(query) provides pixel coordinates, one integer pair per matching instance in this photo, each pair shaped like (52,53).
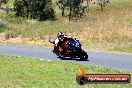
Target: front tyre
(84,56)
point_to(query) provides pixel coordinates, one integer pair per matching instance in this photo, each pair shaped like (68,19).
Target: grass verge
(19,72)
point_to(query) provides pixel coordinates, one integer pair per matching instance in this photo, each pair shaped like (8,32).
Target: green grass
(19,72)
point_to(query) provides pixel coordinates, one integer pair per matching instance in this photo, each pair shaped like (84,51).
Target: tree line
(45,9)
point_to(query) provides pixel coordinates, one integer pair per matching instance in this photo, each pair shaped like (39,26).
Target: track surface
(105,59)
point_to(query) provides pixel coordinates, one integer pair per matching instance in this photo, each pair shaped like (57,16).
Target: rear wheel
(62,57)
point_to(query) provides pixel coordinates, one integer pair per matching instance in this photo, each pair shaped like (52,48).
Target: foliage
(102,3)
(75,7)
(1,30)
(63,4)
(3,2)
(35,9)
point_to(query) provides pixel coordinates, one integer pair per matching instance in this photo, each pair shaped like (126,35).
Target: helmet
(60,34)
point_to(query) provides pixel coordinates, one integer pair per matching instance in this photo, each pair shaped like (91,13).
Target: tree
(35,9)
(75,7)
(102,3)
(63,4)
(4,2)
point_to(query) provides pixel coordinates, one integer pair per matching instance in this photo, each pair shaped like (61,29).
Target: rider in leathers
(60,37)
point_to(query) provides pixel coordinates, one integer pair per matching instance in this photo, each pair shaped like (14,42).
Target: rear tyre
(62,57)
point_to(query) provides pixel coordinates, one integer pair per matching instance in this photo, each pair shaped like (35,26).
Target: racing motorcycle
(71,48)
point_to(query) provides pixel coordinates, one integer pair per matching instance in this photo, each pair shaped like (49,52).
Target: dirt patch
(25,41)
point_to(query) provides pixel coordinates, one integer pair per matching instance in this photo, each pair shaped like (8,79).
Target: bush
(35,9)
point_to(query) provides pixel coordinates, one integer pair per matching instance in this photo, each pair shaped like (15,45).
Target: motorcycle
(71,47)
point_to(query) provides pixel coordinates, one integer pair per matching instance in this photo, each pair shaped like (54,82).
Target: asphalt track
(120,61)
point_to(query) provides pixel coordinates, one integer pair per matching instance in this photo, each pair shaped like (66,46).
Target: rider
(60,37)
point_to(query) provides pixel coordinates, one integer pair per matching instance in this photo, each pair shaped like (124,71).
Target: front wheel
(84,56)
